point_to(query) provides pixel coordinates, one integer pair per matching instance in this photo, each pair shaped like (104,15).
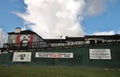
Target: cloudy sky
(53,18)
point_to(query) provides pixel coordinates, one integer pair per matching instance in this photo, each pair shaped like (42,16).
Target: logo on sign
(22,56)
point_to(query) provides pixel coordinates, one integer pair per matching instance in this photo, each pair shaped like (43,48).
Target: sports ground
(56,71)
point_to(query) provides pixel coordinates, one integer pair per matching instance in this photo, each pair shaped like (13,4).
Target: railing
(22,46)
(38,45)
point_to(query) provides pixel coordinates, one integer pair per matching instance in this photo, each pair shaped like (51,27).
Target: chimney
(17,30)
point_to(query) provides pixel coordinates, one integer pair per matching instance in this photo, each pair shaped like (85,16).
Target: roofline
(27,33)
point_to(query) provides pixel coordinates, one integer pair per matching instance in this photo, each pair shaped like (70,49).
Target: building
(25,39)
(102,39)
(86,40)
(28,39)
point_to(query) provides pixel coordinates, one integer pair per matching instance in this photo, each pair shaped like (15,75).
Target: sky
(53,18)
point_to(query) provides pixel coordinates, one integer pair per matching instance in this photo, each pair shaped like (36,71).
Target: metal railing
(38,45)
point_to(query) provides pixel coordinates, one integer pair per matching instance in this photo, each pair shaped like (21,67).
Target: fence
(81,57)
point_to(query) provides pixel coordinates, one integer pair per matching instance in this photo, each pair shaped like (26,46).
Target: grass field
(56,71)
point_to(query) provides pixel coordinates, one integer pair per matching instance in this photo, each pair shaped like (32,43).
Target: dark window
(92,42)
(99,41)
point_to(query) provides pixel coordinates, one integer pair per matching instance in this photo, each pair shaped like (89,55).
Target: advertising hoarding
(22,57)
(53,55)
(100,53)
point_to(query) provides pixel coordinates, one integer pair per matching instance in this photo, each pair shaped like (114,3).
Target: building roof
(117,36)
(26,32)
(55,40)
(75,38)
(23,32)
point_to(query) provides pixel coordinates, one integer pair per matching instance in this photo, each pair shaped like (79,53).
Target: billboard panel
(53,55)
(99,53)
(22,57)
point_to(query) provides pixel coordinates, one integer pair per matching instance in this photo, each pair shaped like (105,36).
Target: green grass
(55,71)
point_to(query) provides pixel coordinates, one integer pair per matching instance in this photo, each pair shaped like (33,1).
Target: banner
(22,57)
(100,53)
(53,55)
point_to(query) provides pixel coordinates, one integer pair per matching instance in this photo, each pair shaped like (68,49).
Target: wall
(81,57)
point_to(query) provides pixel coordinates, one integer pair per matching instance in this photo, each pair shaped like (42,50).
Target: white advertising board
(22,57)
(100,53)
(53,55)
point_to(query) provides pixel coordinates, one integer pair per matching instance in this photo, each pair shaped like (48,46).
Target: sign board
(22,57)
(53,55)
(100,53)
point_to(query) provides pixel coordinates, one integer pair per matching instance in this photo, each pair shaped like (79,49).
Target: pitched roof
(23,32)
(26,32)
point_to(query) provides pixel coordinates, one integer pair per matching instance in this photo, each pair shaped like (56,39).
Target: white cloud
(105,33)
(52,18)
(2,37)
(94,7)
